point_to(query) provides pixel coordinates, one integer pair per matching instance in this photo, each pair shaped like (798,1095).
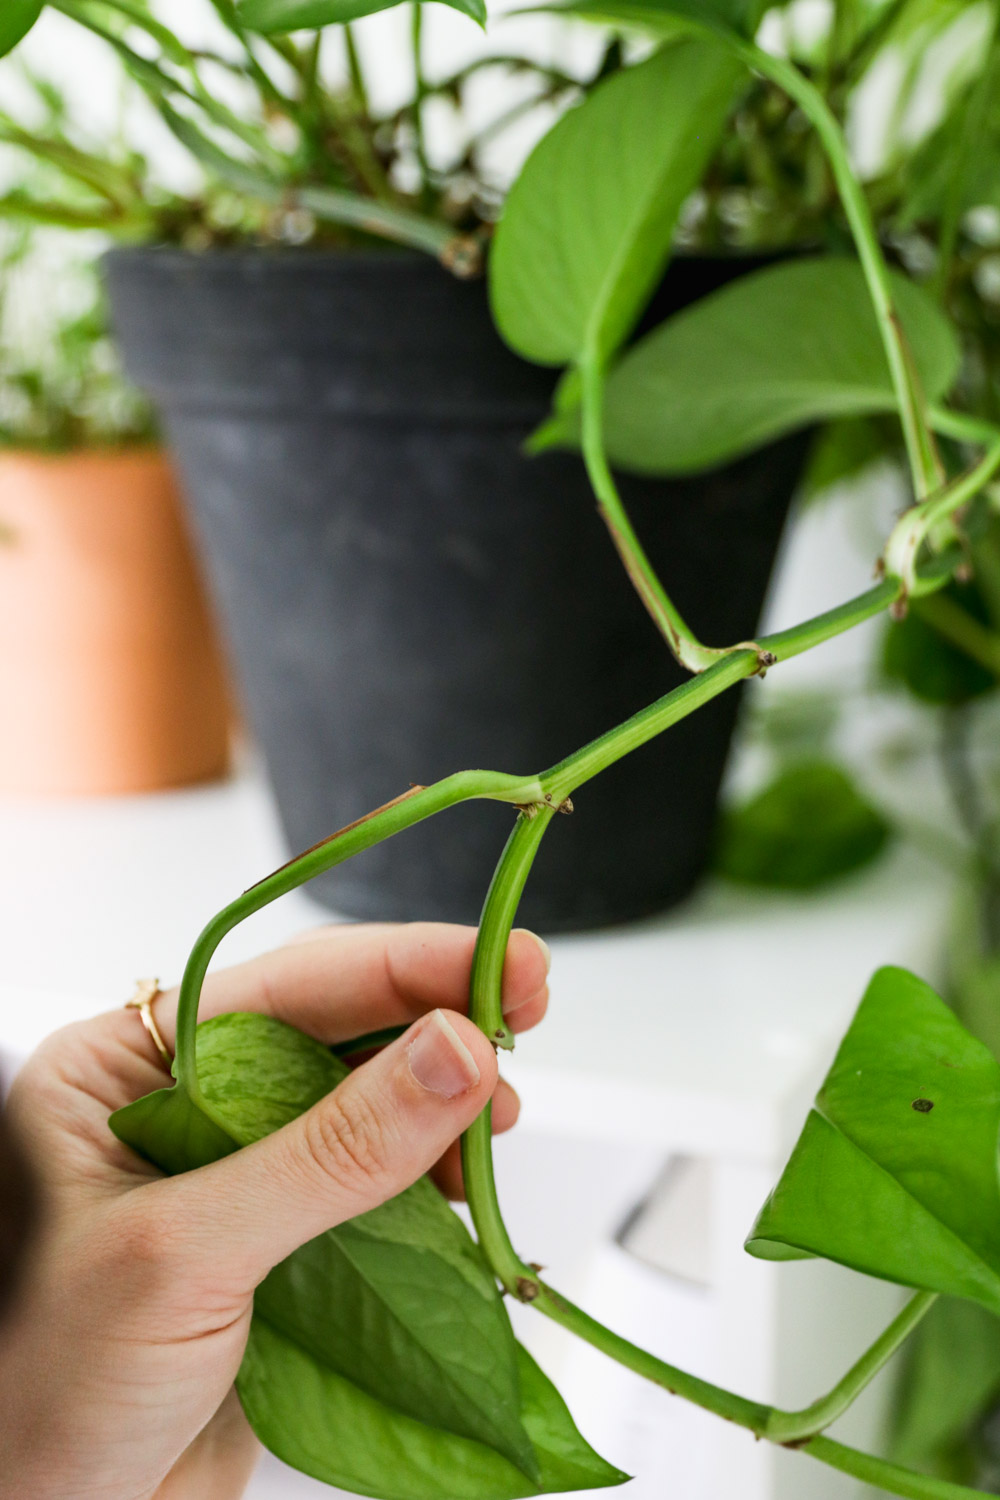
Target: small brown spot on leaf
(922,1106)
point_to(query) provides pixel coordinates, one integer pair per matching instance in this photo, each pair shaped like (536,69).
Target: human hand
(117,1365)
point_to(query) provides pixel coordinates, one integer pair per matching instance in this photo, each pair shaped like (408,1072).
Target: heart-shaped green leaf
(808,826)
(771,352)
(295,1403)
(274,17)
(16,19)
(588,224)
(895,1173)
(399,1302)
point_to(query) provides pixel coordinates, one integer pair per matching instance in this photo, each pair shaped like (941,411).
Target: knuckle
(347,1140)
(148,1237)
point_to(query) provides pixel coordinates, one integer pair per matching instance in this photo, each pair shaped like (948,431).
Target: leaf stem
(794,1426)
(883,1475)
(752,1415)
(499,910)
(676,632)
(355,69)
(486,1009)
(925,463)
(902,550)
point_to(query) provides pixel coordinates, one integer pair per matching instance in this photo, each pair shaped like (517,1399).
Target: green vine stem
(902,550)
(676,632)
(963,427)
(795,1426)
(501,904)
(538,797)
(925,463)
(412,807)
(926,469)
(733,1408)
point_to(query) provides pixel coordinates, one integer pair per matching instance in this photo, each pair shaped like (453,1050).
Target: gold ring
(146,992)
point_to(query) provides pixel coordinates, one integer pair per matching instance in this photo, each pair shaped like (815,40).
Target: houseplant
(895,1173)
(385,506)
(110,672)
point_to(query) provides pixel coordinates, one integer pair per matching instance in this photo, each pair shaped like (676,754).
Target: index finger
(343,981)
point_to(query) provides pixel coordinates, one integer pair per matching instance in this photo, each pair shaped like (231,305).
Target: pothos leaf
(767,354)
(272,17)
(895,1173)
(398,1304)
(810,825)
(294,1403)
(16,19)
(588,224)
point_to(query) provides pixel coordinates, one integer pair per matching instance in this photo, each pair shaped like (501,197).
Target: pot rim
(401,257)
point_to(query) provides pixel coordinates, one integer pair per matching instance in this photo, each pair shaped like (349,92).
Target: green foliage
(930,667)
(588,224)
(302,156)
(381,1356)
(61,385)
(895,1173)
(809,826)
(950,1384)
(298,1405)
(753,361)
(16,20)
(277,16)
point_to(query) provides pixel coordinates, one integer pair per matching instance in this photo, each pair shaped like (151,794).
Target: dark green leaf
(399,1302)
(771,352)
(809,826)
(588,224)
(934,670)
(272,17)
(950,1382)
(895,1173)
(16,19)
(294,1403)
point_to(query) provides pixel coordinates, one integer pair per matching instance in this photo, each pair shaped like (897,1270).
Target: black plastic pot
(407,595)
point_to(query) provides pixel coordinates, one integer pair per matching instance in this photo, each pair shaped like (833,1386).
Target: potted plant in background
(895,1173)
(111,673)
(394,571)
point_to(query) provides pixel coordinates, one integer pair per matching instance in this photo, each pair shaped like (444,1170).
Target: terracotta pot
(111,677)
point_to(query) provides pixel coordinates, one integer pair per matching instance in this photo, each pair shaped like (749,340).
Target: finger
(349,980)
(447,1173)
(374,1135)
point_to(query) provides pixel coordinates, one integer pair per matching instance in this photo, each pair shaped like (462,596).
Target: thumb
(374,1135)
